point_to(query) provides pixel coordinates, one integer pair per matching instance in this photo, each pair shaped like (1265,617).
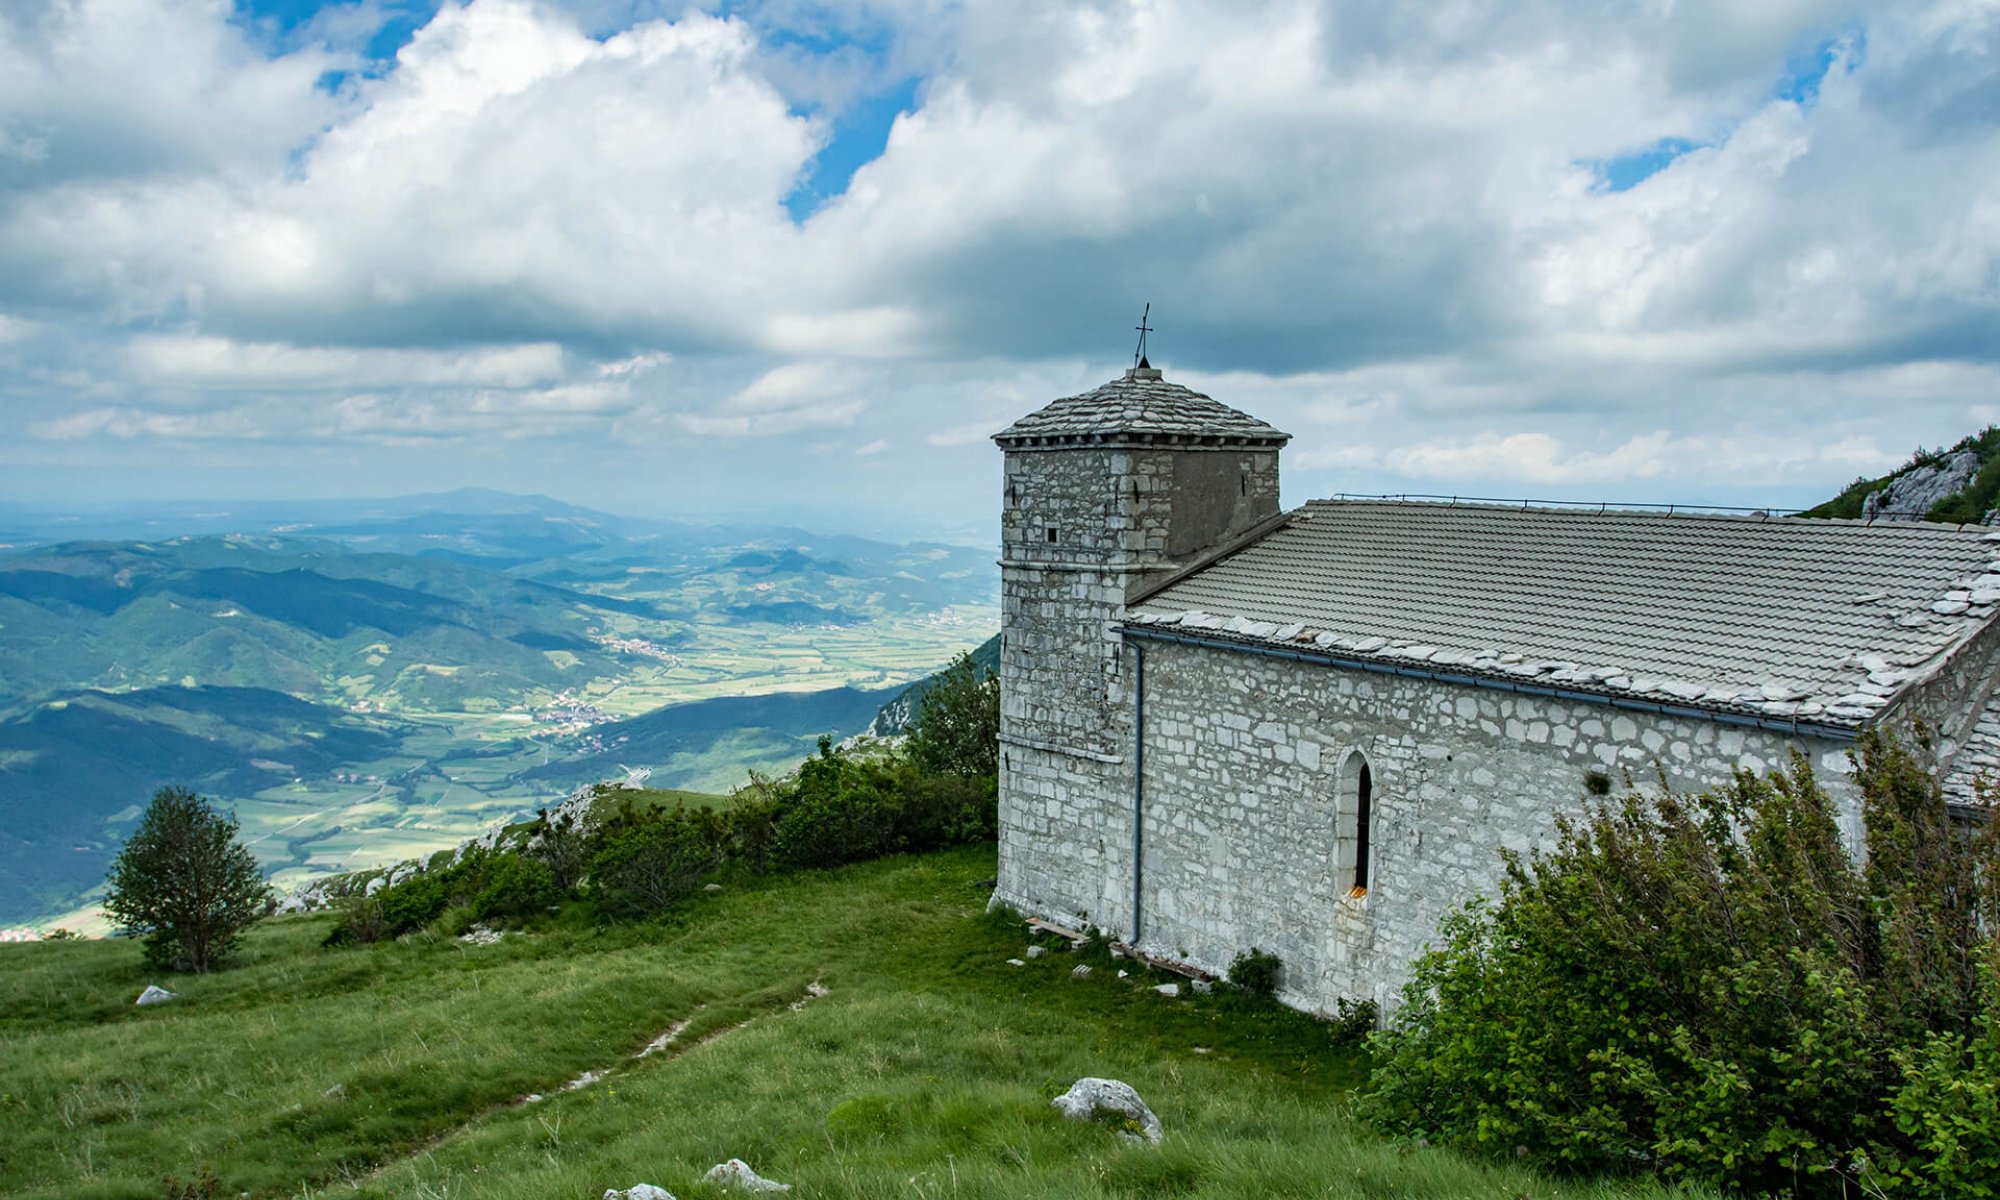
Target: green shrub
(1948,1107)
(361,922)
(753,825)
(416,901)
(957,727)
(944,810)
(840,809)
(514,887)
(1707,985)
(1257,973)
(562,843)
(1355,1020)
(647,860)
(836,812)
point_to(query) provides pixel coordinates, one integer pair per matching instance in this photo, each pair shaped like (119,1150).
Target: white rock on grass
(1169,989)
(154,995)
(1090,1097)
(1037,951)
(638,1191)
(736,1176)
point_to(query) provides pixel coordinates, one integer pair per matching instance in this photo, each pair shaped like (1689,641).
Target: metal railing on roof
(1668,507)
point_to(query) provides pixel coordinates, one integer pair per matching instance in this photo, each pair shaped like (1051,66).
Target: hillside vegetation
(900,712)
(1957,485)
(399,1069)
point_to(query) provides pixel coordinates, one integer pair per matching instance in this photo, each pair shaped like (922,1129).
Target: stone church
(1227,725)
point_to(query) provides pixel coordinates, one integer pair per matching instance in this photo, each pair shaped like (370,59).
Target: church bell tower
(1105,492)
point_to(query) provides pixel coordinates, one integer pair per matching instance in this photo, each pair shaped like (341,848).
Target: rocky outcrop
(1913,493)
(1092,1099)
(638,1191)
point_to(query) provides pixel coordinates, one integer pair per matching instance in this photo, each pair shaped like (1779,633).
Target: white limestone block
(1091,1096)
(736,1176)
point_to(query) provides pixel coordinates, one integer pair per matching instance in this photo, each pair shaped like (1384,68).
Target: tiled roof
(1139,406)
(1813,620)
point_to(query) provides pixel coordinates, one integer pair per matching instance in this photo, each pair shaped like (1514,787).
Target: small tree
(957,730)
(185,883)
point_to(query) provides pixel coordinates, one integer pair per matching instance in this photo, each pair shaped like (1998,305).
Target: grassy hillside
(925,1069)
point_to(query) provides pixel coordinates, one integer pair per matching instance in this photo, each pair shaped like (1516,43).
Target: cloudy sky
(781,254)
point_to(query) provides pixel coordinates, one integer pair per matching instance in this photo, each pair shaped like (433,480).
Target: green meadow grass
(925,1069)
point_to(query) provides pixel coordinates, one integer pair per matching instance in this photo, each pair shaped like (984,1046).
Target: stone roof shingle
(1813,620)
(1140,406)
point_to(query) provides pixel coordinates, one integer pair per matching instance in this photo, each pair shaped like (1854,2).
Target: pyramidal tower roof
(1141,408)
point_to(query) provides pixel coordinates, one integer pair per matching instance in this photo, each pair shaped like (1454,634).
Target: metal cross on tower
(1139,355)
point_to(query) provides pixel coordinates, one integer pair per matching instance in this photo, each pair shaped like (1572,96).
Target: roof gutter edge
(1837,733)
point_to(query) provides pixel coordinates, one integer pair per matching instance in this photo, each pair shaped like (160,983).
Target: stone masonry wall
(1119,515)
(1244,779)
(1952,698)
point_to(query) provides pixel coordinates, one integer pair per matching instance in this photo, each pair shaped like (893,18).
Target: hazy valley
(389,677)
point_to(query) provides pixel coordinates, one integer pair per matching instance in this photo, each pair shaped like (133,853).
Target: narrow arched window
(1354,826)
(1363,798)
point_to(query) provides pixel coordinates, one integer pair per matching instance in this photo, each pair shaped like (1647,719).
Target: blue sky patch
(401,20)
(1805,72)
(1628,171)
(859,136)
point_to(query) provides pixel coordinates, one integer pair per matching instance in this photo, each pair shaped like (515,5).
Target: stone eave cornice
(1837,729)
(1145,441)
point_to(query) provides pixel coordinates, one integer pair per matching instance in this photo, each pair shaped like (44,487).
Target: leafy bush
(1355,1020)
(753,825)
(1710,985)
(835,812)
(185,882)
(840,809)
(514,887)
(1948,1108)
(416,901)
(563,843)
(1257,973)
(361,921)
(647,860)
(957,729)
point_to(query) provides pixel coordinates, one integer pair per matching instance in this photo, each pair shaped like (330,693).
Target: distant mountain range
(360,679)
